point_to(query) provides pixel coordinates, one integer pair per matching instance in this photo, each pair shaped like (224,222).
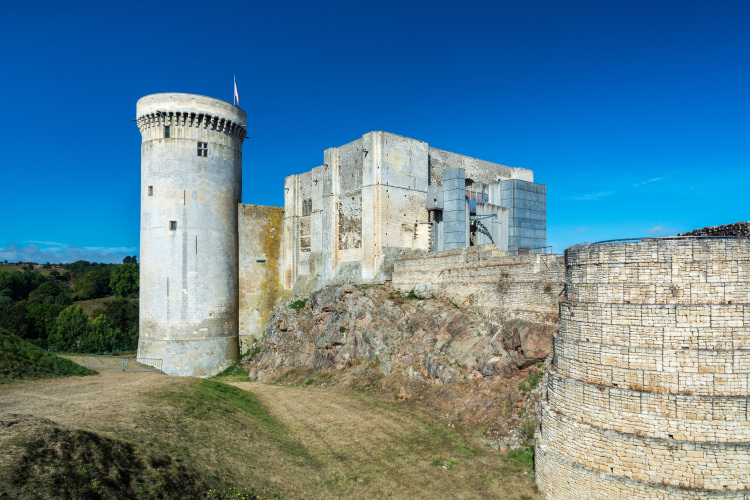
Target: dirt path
(379,450)
(111,399)
(347,432)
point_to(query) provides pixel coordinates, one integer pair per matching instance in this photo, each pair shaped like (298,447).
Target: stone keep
(648,397)
(191,182)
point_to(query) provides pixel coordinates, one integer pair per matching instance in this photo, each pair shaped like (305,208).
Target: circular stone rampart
(648,397)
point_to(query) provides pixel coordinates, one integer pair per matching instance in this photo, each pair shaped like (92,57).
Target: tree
(105,336)
(130,260)
(125,280)
(92,284)
(124,315)
(46,293)
(71,326)
(41,318)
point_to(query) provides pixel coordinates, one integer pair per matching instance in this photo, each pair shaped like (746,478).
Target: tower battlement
(192,111)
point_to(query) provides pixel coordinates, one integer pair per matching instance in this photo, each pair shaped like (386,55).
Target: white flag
(236,95)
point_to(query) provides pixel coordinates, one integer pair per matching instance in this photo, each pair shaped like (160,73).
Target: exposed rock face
(527,342)
(736,229)
(429,339)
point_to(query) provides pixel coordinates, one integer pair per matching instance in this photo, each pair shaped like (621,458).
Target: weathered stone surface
(191,178)
(425,290)
(429,339)
(259,231)
(649,394)
(527,342)
(497,285)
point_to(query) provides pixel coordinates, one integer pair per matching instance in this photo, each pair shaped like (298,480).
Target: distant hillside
(22,360)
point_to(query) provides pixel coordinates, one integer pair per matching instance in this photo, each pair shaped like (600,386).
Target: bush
(298,304)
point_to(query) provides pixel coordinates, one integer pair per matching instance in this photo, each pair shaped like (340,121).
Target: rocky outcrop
(736,229)
(430,339)
(527,342)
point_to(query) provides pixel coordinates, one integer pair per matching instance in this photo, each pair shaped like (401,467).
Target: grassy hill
(22,360)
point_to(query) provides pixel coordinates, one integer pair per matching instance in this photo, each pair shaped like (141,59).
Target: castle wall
(476,170)
(649,393)
(455,225)
(394,192)
(348,219)
(260,281)
(527,213)
(517,286)
(189,284)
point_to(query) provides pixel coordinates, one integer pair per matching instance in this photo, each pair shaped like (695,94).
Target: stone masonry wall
(260,231)
(649,392)
(504,287)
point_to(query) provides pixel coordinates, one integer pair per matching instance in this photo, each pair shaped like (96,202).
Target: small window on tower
(173,225)
(166,132)
(203,149)
(151,190)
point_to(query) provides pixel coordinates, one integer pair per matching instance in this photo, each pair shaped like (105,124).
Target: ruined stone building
(213,269)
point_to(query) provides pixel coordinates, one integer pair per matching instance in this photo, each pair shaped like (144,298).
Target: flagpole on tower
(236,95)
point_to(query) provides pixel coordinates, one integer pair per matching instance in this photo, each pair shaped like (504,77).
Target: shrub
(298,304)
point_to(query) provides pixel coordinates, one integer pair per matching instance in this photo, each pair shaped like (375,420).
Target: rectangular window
(307,206)
(173,225)
(151,190)
(166,132)
(203,149)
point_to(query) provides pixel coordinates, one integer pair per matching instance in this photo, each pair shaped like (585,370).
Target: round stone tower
(649,393)
(191,183)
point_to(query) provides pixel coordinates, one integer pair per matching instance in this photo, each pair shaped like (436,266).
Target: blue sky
(633,113)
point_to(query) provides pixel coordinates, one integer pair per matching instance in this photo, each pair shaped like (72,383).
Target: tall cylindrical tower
(649,395)
(191,183)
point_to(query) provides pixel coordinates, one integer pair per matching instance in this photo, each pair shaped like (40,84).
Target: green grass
(531,380)
(237,372)
(298,304)
(22,360)
(523,458)
(208,401)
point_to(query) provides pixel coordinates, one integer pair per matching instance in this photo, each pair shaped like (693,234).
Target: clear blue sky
(633,113)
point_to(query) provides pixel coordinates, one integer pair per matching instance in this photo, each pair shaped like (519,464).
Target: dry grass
(291,442)
(363,446)
(92,306)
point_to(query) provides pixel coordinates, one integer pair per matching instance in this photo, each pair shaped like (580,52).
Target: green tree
(46,293)
(41,318)
(71,326)
(13,318)
(124,315)
(17,285)
(105,336)
(125,280)
(130,259)
(92,284)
